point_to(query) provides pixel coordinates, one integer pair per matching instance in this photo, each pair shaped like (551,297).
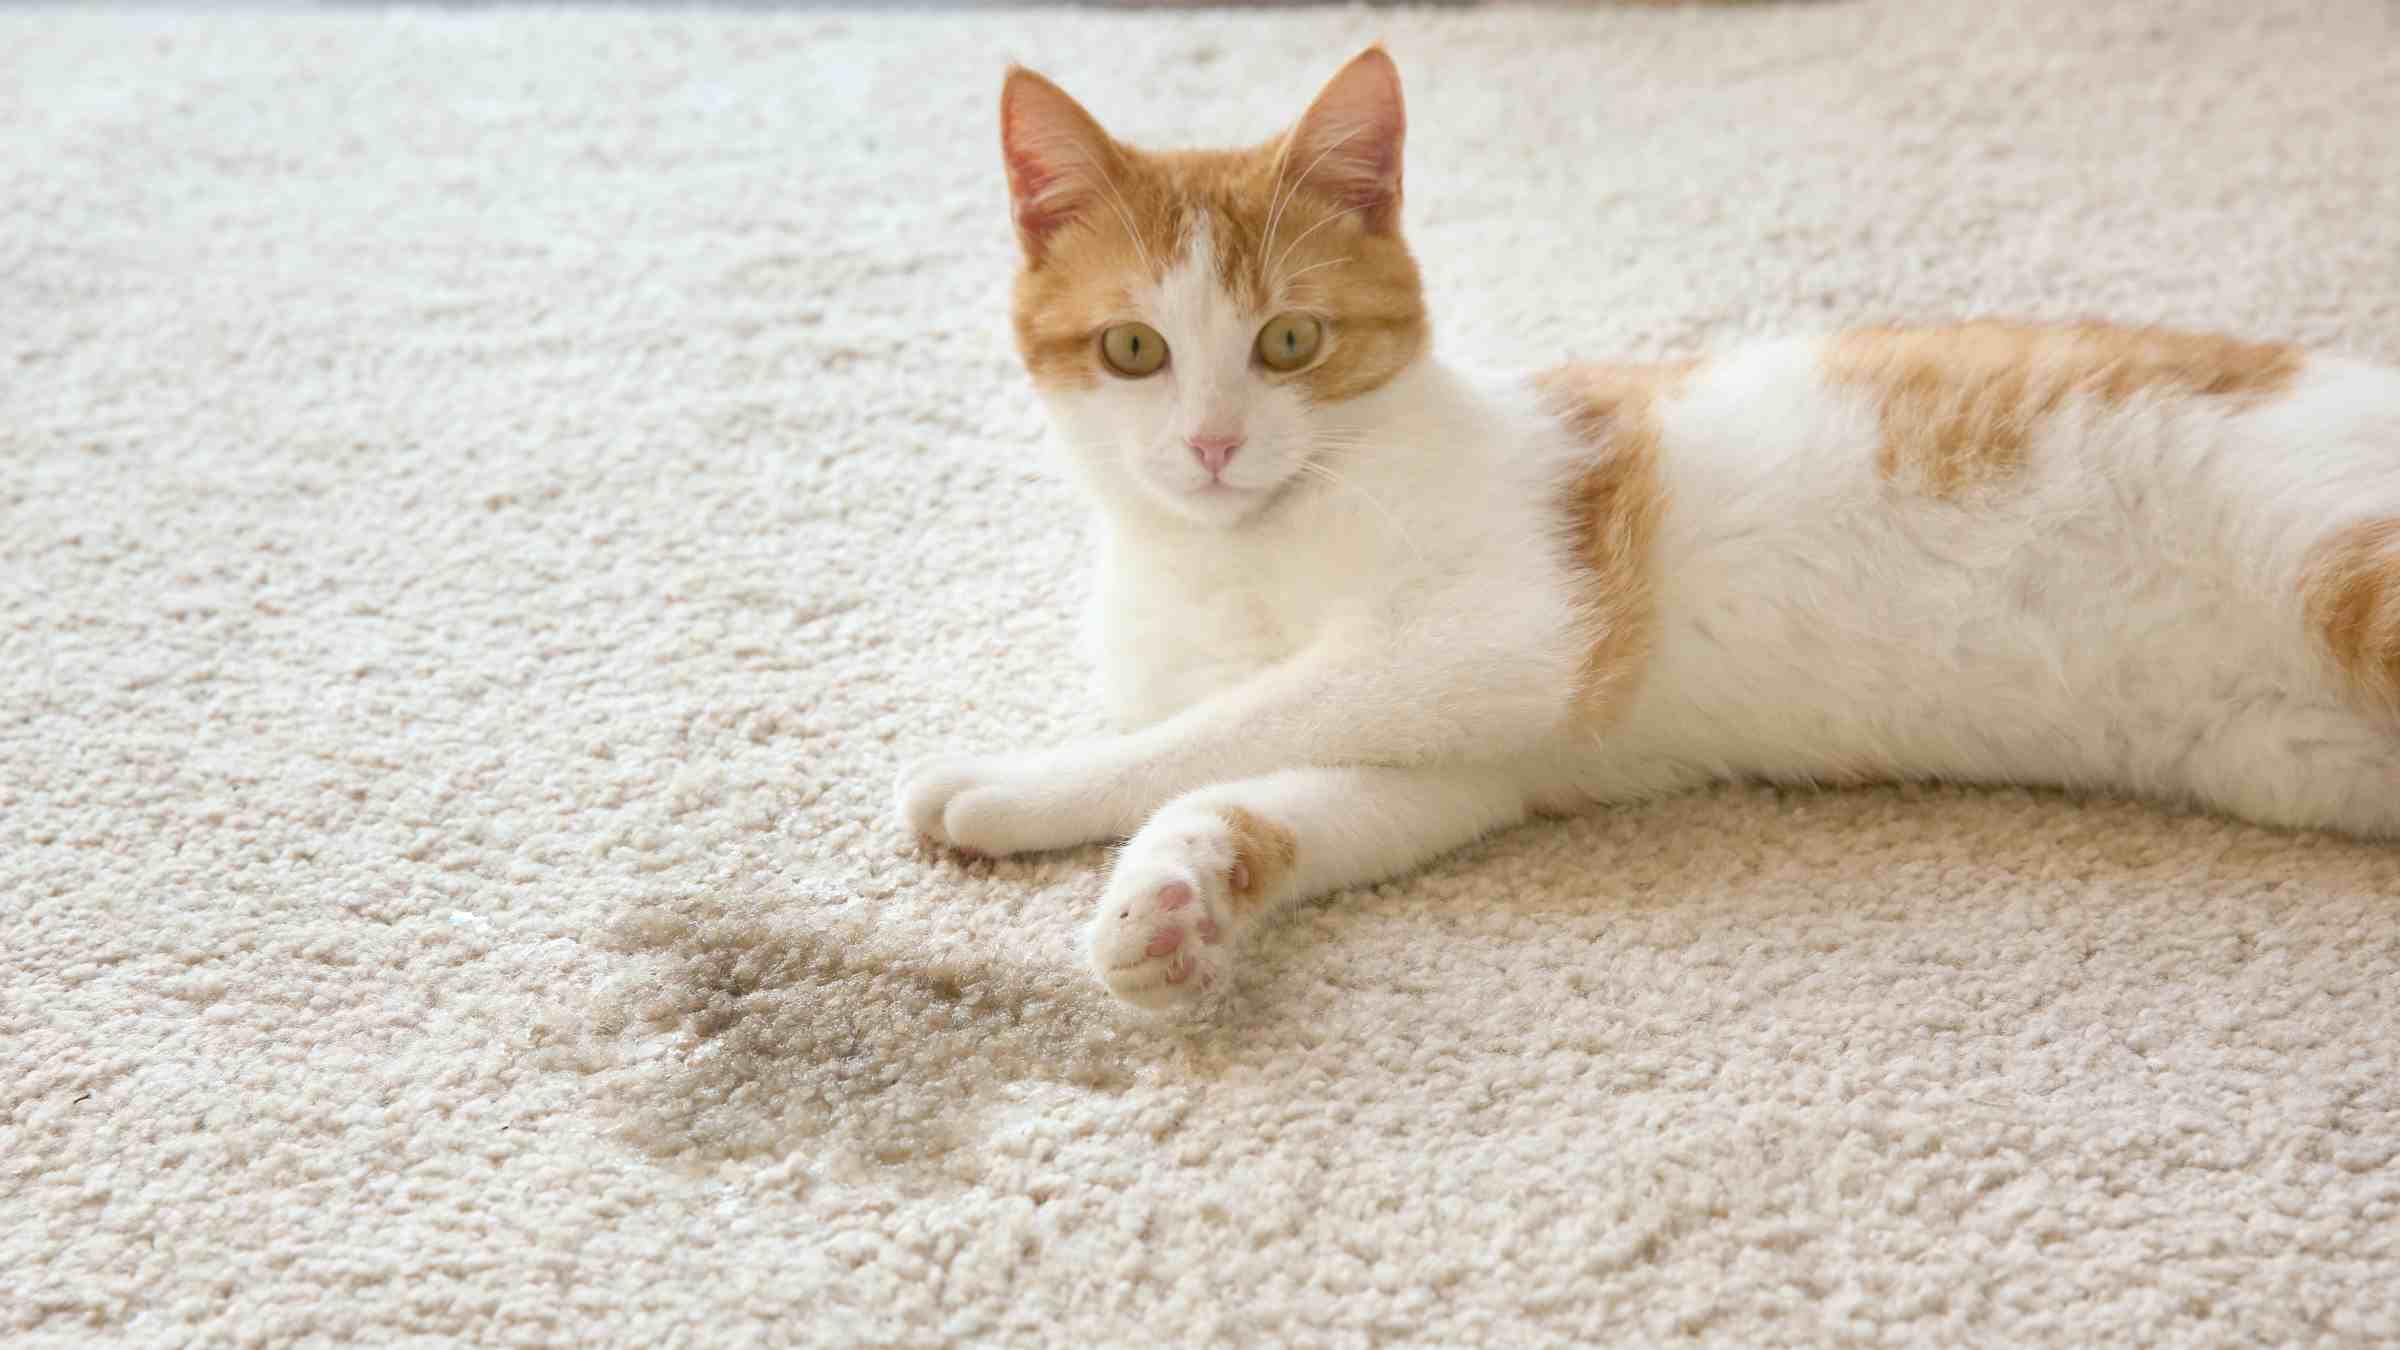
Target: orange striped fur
(1613,508)
(2352,591)
(1959,404)
(1264,854)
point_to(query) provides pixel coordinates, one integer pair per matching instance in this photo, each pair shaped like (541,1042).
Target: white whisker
(1339,438)
(1329,262)
(1269,241)
(1116,201)
(1325,474)
(1277,199)
(1304,234)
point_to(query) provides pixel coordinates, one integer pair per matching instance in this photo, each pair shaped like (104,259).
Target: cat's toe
(926,789)
(1000,805)
(1159,945)
(982,807)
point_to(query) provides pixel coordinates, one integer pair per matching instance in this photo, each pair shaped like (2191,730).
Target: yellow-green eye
(1289,341)
(1133,349)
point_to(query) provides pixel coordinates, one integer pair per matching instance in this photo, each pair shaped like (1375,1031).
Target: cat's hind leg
(2322,750)
(2327,755)
(1202,874)
(2304,762)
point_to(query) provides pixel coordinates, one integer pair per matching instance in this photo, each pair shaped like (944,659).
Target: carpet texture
(488,501)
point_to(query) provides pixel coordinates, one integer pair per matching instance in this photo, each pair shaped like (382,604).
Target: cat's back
(1952,414)
(1987,550)
(1964,443)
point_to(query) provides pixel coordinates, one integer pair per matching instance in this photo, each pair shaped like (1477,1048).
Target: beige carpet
(487,501)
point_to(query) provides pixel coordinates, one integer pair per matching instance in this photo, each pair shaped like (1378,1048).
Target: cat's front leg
(1356,697)
(1091,790)
(1024,803)
(1211,865)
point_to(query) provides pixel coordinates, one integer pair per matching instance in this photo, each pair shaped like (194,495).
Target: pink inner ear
(1040,209)
(1367,179)
(1348,144)
(1029,188)
(1050,147)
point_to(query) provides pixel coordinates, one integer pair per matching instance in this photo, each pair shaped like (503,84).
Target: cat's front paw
(1165,931)
(995,804)
(1159,943)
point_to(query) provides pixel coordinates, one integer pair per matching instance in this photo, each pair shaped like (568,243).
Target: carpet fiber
(488,500)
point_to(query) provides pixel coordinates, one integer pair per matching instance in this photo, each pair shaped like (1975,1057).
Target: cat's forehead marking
(1190,287)
(1208,244)
(1208,324)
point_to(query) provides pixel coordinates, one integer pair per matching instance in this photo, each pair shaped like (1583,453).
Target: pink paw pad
(1207,929)
(1164,942)
(1174,895)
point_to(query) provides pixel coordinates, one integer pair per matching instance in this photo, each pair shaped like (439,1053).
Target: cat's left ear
(1059,159)
(1347,144)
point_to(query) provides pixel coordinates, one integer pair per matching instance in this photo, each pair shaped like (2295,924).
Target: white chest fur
(1441,532)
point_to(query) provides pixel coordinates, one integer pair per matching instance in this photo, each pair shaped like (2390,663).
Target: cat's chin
(1219,504)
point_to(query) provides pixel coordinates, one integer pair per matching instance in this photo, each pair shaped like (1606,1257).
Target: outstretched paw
(993,806)
(1184,887)
(1161,944)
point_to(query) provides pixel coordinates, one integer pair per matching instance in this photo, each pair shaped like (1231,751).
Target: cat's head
(1196,319)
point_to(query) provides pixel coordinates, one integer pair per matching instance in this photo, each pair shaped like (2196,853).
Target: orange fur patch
(2352,592)
(1320,259)
(1959,404)
(1613,509)
(1267,852)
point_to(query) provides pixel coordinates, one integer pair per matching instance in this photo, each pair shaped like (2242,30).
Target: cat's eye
(1289,341)
(1133,349)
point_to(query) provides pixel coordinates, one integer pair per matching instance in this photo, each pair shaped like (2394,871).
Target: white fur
(1131,434)
(2128,615)
(1385,666)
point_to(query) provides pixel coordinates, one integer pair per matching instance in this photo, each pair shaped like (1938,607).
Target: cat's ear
(1059,160)
(1347,144)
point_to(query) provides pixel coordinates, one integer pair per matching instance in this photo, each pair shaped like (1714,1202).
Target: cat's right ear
(1059,160)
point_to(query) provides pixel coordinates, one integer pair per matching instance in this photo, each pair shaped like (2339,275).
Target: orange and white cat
(1356,607)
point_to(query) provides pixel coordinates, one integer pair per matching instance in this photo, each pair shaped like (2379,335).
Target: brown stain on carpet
(748,1036)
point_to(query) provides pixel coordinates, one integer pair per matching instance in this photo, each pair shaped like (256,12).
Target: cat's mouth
(1221,503)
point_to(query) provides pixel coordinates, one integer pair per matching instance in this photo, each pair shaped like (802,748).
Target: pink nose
(1214,452)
